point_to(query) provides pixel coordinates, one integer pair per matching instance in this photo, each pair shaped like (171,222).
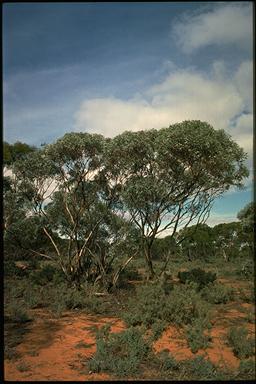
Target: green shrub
(199,368)
(32,298)
(64,297)
(157,329)
(242,345)
(247,369)
(10,269)
(45,275)
(246,269)
(82,344)
(166,362)
(151,304)
(196,337)
(129,273)
(17,313)
(121,354)
(198,276)
(216,293)
(10,353)
(247,295)
(23,367)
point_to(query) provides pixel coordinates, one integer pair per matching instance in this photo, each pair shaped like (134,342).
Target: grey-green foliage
(12,152)
(17,313)
(166,362)
(121,354)
(247,369)
(177,171)
(216,293)
(81,208)
(247,216)
(197,276)
(197,339)
(180,306)
(242,344)
(199,368)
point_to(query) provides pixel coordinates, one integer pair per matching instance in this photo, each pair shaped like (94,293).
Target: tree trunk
(148,257)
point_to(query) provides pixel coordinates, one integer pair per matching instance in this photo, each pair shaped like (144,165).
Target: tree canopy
(88,189)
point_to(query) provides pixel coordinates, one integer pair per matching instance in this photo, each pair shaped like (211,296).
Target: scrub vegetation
(84,222)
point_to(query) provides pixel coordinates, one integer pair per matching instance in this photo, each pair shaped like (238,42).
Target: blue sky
(109,67)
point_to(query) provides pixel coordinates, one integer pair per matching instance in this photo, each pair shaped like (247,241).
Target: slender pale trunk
(148,257)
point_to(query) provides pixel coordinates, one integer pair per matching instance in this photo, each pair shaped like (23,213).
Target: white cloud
(226,24)
(215,219)
(244,83)
(182,95)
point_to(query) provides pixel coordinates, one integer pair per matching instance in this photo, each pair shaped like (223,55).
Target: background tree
(13,152)
(65,193)
(247,220)
(170,177)
(197,242)
(227,240)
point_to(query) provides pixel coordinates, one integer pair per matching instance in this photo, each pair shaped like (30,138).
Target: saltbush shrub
(180,306)
(198,276)
(196,337)
(166,362)
(45,275)
(247,370)
(64,297)
(10,269)
(247,295)
(246,269)
(216,293)
(157,329)
(121,354)
(243,346)
(200,369)
(17,313)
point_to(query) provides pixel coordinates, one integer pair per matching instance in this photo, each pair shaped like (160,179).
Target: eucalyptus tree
(247,221)
(64,189)
(13,152)
(169,178)
(227,239)
(197,242)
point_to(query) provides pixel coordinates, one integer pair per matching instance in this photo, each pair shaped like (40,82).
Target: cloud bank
(228,24)
(225,103)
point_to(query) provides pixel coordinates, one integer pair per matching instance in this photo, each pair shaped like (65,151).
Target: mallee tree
(156,180)
(171,177)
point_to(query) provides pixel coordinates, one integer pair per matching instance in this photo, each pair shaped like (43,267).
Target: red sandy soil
(49,350)
(218,352)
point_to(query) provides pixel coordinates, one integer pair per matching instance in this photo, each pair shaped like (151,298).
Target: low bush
(10,269)
(23,367)
(120,354)
(180,306)
(216,293)
(45,275)
(32,297)
(247,295)
(246,269)
(242,345)
(64,297)
(199,369)
(247,370)
(196,337)
(166,362)
(157,329)
(17,313)
(129,273)
(198,276)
